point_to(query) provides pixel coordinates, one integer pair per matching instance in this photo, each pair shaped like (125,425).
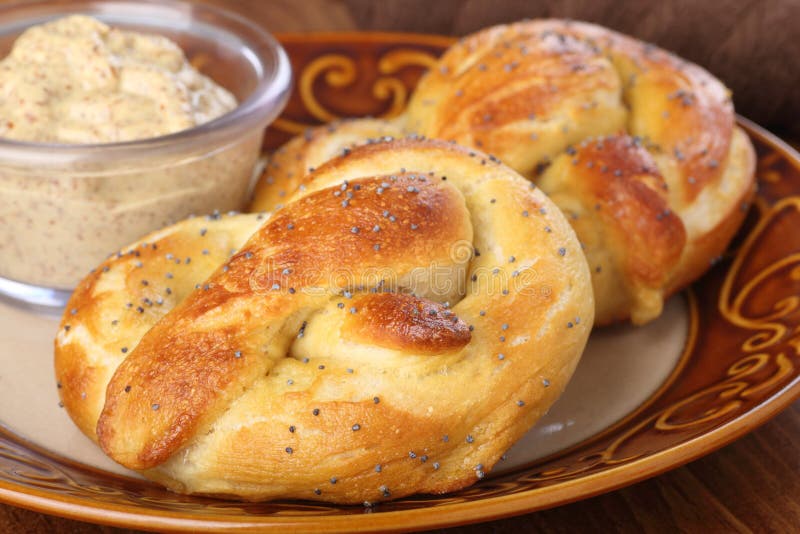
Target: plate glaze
(730,359)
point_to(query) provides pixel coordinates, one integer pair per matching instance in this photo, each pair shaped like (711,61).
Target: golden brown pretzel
(322,360)
(635,145)
(542,95)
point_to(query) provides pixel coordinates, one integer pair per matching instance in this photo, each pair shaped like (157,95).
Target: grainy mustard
(76,80)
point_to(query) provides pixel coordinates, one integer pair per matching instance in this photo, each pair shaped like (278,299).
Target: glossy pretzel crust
(637,146)
(407,316)
(562,102)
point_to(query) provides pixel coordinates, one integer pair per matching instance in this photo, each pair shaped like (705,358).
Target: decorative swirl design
(391,88)
(722,401)
(25,468)
(768,326)
(340,71)
(745,378)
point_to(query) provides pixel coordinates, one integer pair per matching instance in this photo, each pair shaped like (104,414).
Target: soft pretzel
(538,92)
(408,315)
(637,146)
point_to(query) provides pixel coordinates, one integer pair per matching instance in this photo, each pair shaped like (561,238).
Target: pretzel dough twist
(638,147)
(408,315)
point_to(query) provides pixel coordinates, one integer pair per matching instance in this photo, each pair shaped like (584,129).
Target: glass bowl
(64,208)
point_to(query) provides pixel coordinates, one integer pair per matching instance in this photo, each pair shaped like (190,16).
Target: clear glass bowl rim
(256,111)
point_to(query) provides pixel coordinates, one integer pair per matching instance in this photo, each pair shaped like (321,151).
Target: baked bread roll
(640,142)
(407,316)
(638,147)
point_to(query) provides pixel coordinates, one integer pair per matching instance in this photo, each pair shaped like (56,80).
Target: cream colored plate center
(621,368)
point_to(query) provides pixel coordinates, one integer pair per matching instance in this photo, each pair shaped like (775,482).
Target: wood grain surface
(752,485)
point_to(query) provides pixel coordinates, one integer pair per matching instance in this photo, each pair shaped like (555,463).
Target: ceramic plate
(721,360)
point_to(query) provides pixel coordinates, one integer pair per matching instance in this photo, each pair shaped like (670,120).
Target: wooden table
(750,485)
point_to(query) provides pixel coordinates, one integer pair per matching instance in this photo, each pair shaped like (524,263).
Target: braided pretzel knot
(322,360)
(636,146)
(654,209)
